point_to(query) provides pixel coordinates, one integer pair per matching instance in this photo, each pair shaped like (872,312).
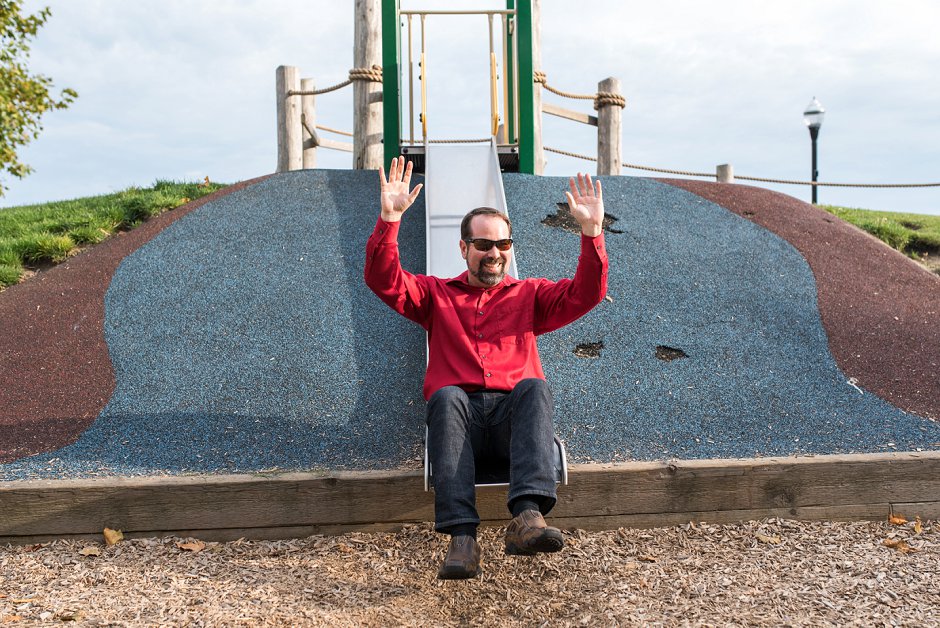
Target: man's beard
(489,277)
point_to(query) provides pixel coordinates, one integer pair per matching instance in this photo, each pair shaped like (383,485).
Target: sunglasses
(482,244)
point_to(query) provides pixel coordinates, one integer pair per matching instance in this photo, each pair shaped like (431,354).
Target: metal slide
(458,178)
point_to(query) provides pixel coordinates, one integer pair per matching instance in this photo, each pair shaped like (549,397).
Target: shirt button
(480,313)
(479,335)
(489,375)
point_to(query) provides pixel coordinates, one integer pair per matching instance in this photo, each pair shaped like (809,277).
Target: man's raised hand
(396,197)
(586,203)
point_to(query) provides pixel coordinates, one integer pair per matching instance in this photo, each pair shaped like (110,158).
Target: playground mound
(235,335)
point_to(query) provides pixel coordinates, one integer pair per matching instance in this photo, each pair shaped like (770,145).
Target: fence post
(289,137)
(367,95)
(725,173)
(308,116)
(608,130)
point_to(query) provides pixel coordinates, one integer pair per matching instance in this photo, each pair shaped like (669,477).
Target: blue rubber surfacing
(244,340)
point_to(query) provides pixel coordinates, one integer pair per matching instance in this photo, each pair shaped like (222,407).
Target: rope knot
(373,74)
(540,77)
(606,99)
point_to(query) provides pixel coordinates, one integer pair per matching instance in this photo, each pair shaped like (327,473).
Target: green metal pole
(511,78)
(391,80)
(526,88)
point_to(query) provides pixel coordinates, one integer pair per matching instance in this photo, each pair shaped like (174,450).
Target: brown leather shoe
(462,560)
(528,533)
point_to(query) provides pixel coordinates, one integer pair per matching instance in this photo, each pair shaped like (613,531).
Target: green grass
(912,234)
(33,236)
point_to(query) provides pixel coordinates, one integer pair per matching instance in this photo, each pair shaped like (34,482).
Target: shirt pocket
(515,325)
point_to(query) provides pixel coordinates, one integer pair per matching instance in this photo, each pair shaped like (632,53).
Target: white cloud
(175,86)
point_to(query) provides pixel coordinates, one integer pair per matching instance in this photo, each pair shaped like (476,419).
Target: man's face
(487,268)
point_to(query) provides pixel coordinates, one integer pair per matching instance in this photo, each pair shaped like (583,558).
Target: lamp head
(813,116)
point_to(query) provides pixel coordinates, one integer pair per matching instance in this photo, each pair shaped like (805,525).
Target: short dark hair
(481,211)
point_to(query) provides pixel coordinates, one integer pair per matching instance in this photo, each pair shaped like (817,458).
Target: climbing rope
(605,99)
(601,99)
(317,92)
(841,185)
(761,179)
(625,165)
(540,77)
(373,74)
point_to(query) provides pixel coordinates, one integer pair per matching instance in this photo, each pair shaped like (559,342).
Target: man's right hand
(396,197)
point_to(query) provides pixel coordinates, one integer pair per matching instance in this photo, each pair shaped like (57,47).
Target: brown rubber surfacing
(55,373)
(880,309)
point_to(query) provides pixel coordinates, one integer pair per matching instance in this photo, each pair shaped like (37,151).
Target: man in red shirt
(486,392)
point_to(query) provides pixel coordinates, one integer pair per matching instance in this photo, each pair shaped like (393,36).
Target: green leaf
(25,97)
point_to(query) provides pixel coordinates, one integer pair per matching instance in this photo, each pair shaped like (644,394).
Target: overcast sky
(183,89)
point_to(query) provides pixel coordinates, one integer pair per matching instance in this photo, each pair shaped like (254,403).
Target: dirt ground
(766,573)
(931,262)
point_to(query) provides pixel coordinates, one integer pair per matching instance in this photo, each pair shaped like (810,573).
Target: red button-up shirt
(483,338)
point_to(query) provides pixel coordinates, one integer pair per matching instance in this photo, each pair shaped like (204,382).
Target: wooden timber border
(599,496)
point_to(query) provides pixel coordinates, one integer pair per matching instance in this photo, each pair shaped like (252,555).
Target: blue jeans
(513,428)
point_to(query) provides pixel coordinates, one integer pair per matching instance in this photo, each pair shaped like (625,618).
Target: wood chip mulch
(760,573)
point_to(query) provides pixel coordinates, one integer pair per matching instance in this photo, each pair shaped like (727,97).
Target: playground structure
(515,126)
(385,105)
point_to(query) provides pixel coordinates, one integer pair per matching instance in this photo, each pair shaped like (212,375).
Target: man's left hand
(586,203)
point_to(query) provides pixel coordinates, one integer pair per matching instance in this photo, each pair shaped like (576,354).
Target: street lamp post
(813,117)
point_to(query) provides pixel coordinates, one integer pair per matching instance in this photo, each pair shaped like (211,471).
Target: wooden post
(289,137)
(537,88)
(367,95)
(608,131)
(725,173)
(308,116)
